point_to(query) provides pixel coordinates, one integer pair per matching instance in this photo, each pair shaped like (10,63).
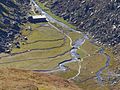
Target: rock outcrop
(12,15)
(98,18)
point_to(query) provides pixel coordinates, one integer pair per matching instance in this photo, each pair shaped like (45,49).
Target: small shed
(37,19)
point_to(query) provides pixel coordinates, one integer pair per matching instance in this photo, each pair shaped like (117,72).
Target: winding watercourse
(75,46)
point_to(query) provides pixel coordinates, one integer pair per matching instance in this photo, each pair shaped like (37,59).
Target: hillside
(56,52)
(15,79)
(98,18)
(12,15)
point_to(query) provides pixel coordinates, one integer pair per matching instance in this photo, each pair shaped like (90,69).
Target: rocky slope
(99,18)
(12,15)
(14,79)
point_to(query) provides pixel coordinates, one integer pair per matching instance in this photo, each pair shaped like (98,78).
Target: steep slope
(99,18)
(12,14)
(14,79)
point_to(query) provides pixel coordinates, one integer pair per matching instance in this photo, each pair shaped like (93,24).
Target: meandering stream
(73,52)
(75,46)
(98,74)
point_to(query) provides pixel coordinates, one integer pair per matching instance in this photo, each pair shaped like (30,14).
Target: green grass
(39,58)
(41,35)
(87,48)
(70,73)
(35,64)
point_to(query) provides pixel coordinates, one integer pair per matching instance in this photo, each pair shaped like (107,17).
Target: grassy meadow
(46,47)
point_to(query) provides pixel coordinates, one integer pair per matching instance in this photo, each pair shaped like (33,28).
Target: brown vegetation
(14,79)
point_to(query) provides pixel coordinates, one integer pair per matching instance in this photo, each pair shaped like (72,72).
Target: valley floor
(49,45)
